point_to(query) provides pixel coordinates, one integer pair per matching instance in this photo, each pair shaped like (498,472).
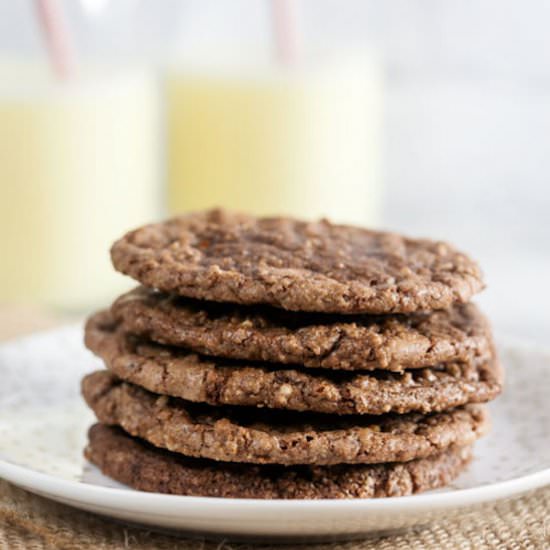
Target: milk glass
(79,165)
(280,140)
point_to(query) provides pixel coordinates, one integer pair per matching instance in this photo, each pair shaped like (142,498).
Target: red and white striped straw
(285,30)
(56,36)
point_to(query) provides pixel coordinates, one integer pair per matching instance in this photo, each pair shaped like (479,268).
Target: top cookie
(295,265)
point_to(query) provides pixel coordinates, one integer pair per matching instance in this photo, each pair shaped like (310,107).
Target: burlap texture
(31,522)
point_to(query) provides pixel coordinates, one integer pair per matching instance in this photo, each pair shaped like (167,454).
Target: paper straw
(56,36)
(285,32)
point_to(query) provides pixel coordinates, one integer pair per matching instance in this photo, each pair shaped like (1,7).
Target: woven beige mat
(31,522)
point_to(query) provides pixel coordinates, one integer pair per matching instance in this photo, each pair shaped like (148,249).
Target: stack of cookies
(275,358)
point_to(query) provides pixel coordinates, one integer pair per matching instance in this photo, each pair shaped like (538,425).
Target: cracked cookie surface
(296,265)
(264,436)
(178,373)
(395,342)
(146,468)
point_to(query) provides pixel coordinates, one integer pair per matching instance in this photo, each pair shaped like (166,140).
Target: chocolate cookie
(314,340)
(296,265)
(274,437)
(147,468)
(175,372)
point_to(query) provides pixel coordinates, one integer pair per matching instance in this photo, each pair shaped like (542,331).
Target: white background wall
(467,132)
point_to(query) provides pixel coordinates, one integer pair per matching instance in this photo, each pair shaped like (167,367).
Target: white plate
(42,432)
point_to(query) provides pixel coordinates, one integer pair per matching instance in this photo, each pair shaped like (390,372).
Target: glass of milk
(280,140)
(79,165)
